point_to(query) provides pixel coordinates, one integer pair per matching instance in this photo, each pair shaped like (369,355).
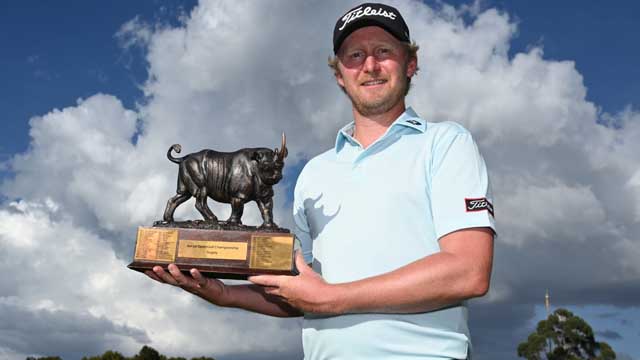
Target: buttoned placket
(356,155)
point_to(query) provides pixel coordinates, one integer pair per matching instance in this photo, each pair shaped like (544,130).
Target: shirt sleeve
(301,225)
(460,189)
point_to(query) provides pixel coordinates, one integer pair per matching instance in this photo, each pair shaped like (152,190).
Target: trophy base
(225,254)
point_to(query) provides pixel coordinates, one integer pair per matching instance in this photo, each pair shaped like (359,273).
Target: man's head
(374,59)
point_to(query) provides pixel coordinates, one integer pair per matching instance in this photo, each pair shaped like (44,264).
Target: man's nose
(371,64)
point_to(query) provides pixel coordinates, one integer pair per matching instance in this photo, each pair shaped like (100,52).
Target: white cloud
(71,277)
(238,74)
(554,201)
(134,32)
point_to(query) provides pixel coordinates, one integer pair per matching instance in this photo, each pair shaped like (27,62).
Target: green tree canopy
(109,355)
(146,353)
(564,336)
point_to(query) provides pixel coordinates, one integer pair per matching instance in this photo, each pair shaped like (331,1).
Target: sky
(94,93)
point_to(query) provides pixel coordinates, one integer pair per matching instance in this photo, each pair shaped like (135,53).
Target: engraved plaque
(156,244)
(271,252)
(225,250)
(230,254)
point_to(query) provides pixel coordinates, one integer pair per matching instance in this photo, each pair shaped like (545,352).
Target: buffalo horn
(283,152)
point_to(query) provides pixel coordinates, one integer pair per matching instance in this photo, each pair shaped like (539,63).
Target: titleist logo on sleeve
(368,11)
(479,204)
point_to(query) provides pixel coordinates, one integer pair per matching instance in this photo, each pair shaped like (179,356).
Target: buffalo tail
(177,148)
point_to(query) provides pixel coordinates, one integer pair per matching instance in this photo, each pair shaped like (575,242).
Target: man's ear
(412,67)
(339,78)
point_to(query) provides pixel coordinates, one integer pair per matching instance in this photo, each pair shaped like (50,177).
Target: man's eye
(382,52)
(356,55)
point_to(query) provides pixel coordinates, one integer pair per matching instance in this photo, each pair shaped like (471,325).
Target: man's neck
(370,128)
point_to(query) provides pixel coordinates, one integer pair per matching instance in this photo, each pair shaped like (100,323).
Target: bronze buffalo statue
(229,177)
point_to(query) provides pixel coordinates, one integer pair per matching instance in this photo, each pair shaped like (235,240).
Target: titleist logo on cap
(370,14)
(368,11)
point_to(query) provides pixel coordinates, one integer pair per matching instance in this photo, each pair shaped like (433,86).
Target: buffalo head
(271,162)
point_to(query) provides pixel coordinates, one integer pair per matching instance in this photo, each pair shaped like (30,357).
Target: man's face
(373,70)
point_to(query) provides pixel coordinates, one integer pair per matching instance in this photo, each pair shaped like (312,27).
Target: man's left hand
(307,291)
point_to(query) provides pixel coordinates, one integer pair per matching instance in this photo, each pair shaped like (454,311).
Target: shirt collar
(345,134)
(409,118)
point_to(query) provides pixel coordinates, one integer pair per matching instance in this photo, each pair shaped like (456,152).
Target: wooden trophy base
(225,254)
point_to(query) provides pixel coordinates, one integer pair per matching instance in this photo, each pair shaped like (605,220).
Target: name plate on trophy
(215,253)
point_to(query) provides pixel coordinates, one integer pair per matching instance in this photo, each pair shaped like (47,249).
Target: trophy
(221,249)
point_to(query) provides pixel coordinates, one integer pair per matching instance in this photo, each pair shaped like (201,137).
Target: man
(396,219)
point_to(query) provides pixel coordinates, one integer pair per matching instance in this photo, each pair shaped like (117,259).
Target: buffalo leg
(203,208)
(198,182)
(237,208)
(266,208)
(172,204)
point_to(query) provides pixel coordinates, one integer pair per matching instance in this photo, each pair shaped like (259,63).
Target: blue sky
(599,38)
(54,53)
(57,53)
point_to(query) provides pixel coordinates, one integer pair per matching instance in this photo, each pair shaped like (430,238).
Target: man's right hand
(212,290)
(244,296)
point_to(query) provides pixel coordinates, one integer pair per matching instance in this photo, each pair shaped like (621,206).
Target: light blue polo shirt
(364,212)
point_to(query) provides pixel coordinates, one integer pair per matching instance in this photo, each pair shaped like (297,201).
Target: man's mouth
(374,82)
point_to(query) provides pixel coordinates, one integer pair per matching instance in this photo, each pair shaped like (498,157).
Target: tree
(146,353)
(108,355)
(564,336)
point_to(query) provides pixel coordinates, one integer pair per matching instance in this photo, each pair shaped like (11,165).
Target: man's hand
(307,292)
(249,297)
(212,290)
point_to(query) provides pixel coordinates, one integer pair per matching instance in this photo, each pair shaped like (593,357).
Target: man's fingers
(153,275)
(265,280)
(300,263)
(193,284)
(179,277)
(272,290)
(199,278)
(164,276)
